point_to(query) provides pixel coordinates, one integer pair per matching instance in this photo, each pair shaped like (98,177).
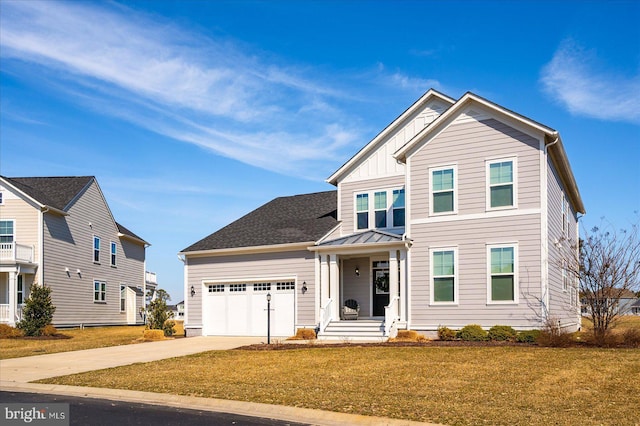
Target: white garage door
(240,308)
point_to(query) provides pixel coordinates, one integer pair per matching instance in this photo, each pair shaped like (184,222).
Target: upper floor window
(6,231)
(444,280)
(443,188)
(114,252)
(501,184)
(96,249)
(398,207)
(380,209)
(362,211)
(0,197)
(502,282)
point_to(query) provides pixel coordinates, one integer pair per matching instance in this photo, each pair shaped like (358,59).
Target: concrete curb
(278,412)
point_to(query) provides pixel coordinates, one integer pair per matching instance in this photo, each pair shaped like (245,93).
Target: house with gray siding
(59,232)
(458,212)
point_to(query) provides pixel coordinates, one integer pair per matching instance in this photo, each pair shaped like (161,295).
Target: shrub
(554,335)
(445,333)
(168,328)
(502,333)
(631,337)
(37,312)
(409,336)
(8,332)
(528,336)
(159,316)
(49,330)
(472,333)
(153,335)
(305,334)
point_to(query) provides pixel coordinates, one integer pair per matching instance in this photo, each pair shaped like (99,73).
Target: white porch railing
(391,317)
(325,315)
(15,252)
(5,313)
(150,277)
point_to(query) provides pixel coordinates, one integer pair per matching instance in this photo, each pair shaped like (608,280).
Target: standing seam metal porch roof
(372,236)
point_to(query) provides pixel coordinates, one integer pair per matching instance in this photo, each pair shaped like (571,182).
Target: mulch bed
(54,337)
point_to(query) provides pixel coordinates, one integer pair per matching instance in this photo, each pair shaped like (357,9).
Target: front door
(380,274)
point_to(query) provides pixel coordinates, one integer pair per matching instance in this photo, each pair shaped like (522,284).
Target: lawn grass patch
(70,340)
(500,385)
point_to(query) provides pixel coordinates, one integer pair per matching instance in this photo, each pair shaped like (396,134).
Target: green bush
(502,333)
(528,336)
(445,333)
(472,333)
(38,311)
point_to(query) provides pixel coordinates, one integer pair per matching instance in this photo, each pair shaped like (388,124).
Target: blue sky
(192,113)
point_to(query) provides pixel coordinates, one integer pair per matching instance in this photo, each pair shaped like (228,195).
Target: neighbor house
(59,232)
(459,212)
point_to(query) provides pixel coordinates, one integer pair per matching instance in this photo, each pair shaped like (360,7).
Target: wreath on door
(382,283)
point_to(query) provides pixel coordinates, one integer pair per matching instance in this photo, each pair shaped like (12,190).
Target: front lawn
(500,385)
(88,338)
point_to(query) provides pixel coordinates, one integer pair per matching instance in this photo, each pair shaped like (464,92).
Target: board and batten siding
(68,243)
(560,247)
(468,144)
(251,267)
(25,216)
(348,193)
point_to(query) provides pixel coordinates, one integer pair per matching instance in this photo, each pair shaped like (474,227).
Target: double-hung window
(501,178)
(123,298)
(502,276)
(114,252)
(398,207)
(6,231)
(380,209)
(362,211)
(443,190)
(99,292)
(96,249)
(444,286)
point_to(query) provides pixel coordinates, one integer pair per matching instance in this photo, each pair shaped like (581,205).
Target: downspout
(545,290)
(186,294)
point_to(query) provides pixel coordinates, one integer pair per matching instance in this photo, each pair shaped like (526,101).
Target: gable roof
(56,192)
(552,138)
(424,99)
(284,220)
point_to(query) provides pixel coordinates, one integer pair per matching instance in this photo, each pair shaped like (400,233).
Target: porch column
(324,280)
(334,284)
(12,299)
(403,285)
(393,278)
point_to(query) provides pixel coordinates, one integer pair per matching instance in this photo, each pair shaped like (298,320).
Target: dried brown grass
(500,385)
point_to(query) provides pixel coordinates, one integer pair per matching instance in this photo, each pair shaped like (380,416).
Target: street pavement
(17,373)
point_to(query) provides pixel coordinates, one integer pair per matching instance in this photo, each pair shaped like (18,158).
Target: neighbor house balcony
(16,253)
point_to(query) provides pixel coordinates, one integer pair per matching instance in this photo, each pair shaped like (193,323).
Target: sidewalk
(15,374)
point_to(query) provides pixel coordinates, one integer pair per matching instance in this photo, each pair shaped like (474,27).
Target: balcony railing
(150,278)
(14,252)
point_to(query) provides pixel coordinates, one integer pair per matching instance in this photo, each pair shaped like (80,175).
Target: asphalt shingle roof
(56,192)
(299,218)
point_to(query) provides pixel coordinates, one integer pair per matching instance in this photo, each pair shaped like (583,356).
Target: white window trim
(113,261)
(93,249)
(93,291)
(14,229)
(123,288)
(404,207)
(516,280)
(453,167)
(371,208)
(488,162)
(456,283)
(385,209)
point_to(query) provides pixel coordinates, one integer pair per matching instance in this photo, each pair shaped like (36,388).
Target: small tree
(159,316)
(37,312)
(608,269)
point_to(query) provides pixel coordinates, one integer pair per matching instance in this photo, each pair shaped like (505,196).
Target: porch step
(355,330)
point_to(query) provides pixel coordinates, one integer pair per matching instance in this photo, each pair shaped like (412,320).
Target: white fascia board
(333,179)
(24,195)
(465,100)
(274,248)
(132,238)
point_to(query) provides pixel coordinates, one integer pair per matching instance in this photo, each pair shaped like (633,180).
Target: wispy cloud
(575,79)
(194,89)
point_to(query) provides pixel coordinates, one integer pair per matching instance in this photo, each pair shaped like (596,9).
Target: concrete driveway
(38,367)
